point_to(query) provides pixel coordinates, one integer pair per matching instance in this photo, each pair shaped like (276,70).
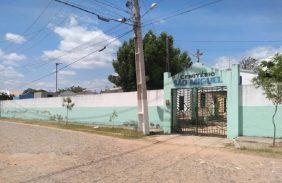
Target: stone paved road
(40,154)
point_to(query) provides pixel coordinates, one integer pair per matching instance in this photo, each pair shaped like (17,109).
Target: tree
(113,116)
(5,96)
(31,90)
(67,102)
(155,62)
(74,89)
(249,63)
(270,79)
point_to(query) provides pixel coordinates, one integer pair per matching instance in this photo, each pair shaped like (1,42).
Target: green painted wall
(233,99)
(257,121)
(89,115)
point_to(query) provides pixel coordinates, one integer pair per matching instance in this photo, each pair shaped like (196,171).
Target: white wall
(125,99)
(252,96)
(247,77)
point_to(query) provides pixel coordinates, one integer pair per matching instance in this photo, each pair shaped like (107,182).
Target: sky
(35,34)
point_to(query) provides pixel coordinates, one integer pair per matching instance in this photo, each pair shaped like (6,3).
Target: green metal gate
(200,111)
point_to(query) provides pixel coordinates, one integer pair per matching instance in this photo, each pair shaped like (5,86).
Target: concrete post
(233,99)
(168,103)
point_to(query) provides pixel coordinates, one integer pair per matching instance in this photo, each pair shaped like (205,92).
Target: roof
(248,71)
(67,93)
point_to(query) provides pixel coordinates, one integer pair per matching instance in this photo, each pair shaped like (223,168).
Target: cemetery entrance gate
(200,111)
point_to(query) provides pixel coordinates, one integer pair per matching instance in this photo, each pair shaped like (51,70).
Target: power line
(37,33)
(81,58)
(230,41)
(75,49)
(150,17)
(100,17)
(114,39)
(33,23)
(37,19)
(183,12)
(99,50)
(143,123)
(101,9)
(42,38)
(110,5)
(159,1)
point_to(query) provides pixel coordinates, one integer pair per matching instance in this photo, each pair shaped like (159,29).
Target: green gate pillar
(233,102)
(167,103)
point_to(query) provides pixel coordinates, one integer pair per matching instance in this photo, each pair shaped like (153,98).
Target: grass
(260,150)
(108,131)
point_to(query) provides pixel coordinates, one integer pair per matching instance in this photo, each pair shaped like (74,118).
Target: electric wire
(100,17)
(231,41)
(75,49)
(35,35)
(100,9)
(110,5)
(182,12)
(33,23)
(113,7)
(80,59)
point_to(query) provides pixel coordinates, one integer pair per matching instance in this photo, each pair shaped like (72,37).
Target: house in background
(87,92)
(26,96)
(67,94)
(45,94)
(112,90)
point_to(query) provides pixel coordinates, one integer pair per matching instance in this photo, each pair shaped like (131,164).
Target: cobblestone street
(30,153)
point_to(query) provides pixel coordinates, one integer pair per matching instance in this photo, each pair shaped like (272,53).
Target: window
(181,103)
(225,104)
(203,100)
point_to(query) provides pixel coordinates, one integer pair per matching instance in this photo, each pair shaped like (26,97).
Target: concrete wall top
(125,99)
(252,96)
(247,78)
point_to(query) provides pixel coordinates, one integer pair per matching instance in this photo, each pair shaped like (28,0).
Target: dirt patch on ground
(39,154)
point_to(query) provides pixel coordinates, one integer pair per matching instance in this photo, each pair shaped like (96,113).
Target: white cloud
(224,62)
(45,85)
(263,52)
(11,58)
(15,38)
(9,77)
(9,73)
(260,53)
(67,73)
(74,35)
(97,84)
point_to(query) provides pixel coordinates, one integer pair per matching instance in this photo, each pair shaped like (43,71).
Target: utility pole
(140,72)
(143,117)
(167,55)
(57,64)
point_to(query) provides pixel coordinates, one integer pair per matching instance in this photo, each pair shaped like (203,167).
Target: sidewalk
(187,140)
(257,142)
